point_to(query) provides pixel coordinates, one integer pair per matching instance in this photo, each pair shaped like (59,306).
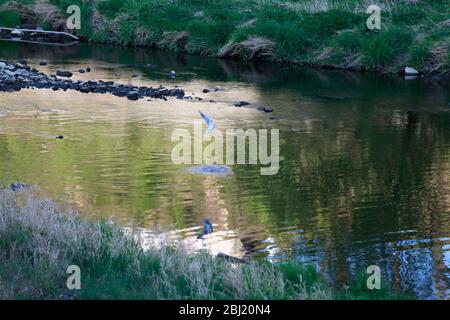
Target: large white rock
(411,71)
(2,65)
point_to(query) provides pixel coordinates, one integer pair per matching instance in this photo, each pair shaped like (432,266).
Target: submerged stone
(241,103)
(264,109)
(64,73)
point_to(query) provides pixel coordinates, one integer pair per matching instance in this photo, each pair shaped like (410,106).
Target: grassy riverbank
(39,240)
(322,33)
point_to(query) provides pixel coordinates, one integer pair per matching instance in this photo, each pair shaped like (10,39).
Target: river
(364,175)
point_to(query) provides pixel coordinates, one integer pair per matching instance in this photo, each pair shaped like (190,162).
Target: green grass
(39,240)
(383,47)
(300,29)
(9,19)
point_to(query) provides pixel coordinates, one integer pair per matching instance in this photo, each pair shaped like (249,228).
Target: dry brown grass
(256,48)
(175,40)
(437,58)
(40,13)
(39,240)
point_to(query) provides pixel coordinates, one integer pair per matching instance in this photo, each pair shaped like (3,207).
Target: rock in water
(265,109)
(173,74)
(241,103)
(411,71)
(43,63)
(133,95)
(64,73)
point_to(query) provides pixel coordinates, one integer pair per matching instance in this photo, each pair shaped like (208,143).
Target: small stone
(64,73)
(241,103)
(205,91)
(43,63)
(133,95)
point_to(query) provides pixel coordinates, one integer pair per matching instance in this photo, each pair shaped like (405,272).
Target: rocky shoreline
(18,76)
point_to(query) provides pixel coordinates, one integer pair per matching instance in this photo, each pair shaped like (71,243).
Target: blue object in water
(209,122)
(207,228)
(210,169)
(19,186)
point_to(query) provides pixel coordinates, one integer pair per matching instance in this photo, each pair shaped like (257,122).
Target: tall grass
(39,239)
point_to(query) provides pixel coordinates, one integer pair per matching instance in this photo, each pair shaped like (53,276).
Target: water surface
(365,160)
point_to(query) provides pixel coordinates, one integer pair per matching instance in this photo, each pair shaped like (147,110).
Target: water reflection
(224,239)
(364,176)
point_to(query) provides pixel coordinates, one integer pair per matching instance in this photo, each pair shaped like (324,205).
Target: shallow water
(364,175)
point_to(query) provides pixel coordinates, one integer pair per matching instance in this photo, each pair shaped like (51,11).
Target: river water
(364,174)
